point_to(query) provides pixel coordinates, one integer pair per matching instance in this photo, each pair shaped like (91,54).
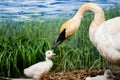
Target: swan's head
(67,30)
(49,54)
(108,74)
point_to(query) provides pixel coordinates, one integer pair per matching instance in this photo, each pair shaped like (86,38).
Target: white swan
(107,76)
(105,35)
(38,70)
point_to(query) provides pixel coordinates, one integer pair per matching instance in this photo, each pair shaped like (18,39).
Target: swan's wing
(114,32)
(108,33)
(107,40)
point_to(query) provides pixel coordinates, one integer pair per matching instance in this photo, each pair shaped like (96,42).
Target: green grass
(24,43)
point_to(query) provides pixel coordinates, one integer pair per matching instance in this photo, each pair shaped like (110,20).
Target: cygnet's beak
(53,54)
(60,39)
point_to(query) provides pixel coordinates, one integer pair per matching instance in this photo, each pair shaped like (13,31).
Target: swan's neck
(98,18)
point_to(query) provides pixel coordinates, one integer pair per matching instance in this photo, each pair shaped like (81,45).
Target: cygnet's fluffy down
(39,69)
(107,76)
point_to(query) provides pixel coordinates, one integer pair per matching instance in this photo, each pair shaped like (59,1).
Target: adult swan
(104,35)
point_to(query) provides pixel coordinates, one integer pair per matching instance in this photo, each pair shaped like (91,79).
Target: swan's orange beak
(60,39)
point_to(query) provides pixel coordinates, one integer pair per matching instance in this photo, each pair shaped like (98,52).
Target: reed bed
(24,43)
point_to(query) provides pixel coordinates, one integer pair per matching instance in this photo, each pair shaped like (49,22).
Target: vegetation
(24,43)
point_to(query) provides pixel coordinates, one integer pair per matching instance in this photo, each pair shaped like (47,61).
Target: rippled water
(28,9)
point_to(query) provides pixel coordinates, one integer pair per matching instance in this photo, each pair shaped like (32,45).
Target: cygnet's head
(49,54)
(108,74)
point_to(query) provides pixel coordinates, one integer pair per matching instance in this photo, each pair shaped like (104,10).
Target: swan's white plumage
(39,69)
(107,76)
(105,35)
(107,40)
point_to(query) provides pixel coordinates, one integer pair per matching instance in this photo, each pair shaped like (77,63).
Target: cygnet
(37,70)
(107,76)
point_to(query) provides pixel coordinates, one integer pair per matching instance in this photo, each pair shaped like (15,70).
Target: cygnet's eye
(48,52)
(109,73)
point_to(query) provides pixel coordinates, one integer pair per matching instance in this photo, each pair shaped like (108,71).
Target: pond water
(28,9)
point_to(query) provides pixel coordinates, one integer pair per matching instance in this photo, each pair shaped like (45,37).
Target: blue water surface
(29,9)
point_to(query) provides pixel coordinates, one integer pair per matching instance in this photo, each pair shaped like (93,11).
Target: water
(29,9)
